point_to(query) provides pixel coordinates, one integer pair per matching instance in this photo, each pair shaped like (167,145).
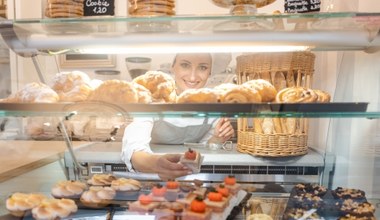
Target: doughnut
(203,95)
(160,84)
(266,90)
(72,86)
(241,94)
(296,95)
(116,92)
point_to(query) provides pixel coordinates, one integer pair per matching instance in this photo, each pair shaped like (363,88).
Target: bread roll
(116,92)
(265,89)
(72,86)
(203,95)
(241,94)
(296,95)
(160,84)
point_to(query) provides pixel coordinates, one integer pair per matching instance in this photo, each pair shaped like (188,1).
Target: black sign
(302,6)
(99,7)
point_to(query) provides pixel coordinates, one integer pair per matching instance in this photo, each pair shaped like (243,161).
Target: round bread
(36,92)
(19,203)
(144,95)
(259,217)
(160,84)
(68,189)
(241,94)
(296,95)
(116,92)
(266,90)
(203,95)
(323,97)
(72,86)
(54,209)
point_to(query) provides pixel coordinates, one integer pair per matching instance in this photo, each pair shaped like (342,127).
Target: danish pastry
(241,94)
(323,96)
(72,86)
(296,95)
(143,94)
(203,95)
(265,89)
(116,92)
(160,84)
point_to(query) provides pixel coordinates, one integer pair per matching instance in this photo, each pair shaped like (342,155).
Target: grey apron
(166,133)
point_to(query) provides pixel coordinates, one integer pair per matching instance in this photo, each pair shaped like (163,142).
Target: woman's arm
(223,131)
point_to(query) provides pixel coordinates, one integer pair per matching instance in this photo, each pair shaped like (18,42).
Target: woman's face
(191,71)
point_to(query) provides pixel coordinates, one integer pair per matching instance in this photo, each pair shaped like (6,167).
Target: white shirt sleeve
(137,137)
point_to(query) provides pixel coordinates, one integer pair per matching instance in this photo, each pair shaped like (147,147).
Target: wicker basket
(275,137)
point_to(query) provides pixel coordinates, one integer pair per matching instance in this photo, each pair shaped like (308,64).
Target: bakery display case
(342,144)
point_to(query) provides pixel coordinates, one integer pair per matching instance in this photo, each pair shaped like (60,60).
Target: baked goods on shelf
(266,90)
(296,95)
(64,8)
(18,204)
(97,196)
(347,193)
(192,160)
(101,180)
(323,96)
(144,204)
(126,188)
(231,184)
(160,84)
(72,86)
(356,208)
(308,201)
(172,190)
(151,8)
(259,216)
(54,209)
(68,189)
(143,94)
(158,193)
(216,201)
(116,92)
(312,188)
(241,94)
(203,95)
(197,211)
(34,92)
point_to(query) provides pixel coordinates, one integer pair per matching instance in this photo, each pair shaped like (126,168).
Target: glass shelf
(318,31)
(305,110)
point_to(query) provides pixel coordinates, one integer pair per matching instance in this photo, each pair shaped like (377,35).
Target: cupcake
(68,189)
(97,196)
(126,189)
(20,204)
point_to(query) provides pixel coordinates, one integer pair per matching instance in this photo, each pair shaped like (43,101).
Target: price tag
(302,6)
(99,7)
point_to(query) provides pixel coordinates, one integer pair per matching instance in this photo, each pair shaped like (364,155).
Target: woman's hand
(223,130)
(165,165)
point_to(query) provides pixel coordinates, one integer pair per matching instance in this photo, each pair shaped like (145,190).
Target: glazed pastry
(68,189)
(54,209)
(160,84)
(266,90)
(296,95)
(356,208)
(19,203)
(97,196)
(72,86)
(143,94)
(203,95)
(314,189)
(35,93)
(241,94)
(346,193)
(101,180)
(323,96)
(115,92)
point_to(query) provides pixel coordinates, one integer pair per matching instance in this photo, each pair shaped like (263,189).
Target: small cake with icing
(144,204)
(216,201)
(158,193)
(19,204)
(192,160)
(68,189)
(172,190)
(197,211)
(230,183)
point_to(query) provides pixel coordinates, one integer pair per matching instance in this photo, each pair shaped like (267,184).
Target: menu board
(99,7)
(302,6)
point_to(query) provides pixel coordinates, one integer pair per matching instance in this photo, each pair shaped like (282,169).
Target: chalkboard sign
(99,7)
(302,6)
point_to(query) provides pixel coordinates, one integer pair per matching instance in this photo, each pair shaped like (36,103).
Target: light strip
(187,49)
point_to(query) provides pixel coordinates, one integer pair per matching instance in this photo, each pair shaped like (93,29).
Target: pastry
(231,184)
(72,86)
(160,84)
(158,193)
(314,189)
(197,211)
(216,201)
(68,189)
(266,90)
(97,196)
(203,95)
(54,209)
(323,96)
(101,180)
(192,160)
(296,95)
(355,208)
(35,93)
(259,217)
(241,94)
(144,204)
(172,190)
(346,193)
(18,204)
(308,201)
(143,94)
(115,92)
(126,188)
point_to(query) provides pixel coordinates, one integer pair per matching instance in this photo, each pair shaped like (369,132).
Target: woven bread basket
(275,137)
